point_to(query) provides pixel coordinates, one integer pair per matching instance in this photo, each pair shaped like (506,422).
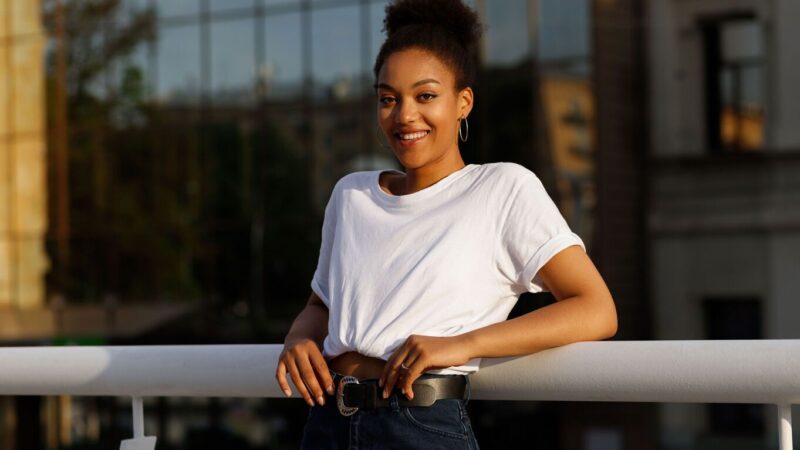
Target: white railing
(734,371)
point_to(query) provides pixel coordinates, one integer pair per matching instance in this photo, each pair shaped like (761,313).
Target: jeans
(443,425)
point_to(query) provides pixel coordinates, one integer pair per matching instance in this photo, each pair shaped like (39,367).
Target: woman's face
(419,107)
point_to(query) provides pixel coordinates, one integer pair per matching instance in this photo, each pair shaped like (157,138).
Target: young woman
(418,270)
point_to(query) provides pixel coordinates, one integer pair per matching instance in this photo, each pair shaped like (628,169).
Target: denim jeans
(443,425)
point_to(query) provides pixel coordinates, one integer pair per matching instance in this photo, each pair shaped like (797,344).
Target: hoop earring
(380,141)
(463,136)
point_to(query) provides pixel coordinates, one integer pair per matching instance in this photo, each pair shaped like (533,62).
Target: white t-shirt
(442,261)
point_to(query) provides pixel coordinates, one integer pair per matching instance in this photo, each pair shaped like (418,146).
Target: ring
(403,366)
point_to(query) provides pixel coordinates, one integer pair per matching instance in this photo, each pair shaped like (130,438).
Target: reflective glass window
(507,32)
(281,74)
(336,51)
(232,61)
(564,30)
(227,5)
(269,3)
(173,8)
(179,79)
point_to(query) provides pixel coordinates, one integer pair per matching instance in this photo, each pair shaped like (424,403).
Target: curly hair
(447,28)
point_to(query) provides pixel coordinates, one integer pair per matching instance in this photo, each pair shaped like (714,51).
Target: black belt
(353,394)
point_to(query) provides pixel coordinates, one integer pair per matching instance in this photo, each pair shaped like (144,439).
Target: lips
(411,136)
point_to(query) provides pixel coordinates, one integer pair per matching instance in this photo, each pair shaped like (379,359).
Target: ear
(465,99)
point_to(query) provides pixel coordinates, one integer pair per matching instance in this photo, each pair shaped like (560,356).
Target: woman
(418,270)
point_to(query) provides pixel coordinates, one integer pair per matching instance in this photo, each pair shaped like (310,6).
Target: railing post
(139,441)
(785,426)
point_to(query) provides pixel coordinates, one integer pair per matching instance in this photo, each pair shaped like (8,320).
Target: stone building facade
(724,217)
(23,155)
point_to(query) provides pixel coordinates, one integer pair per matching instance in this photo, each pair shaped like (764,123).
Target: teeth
(412,136)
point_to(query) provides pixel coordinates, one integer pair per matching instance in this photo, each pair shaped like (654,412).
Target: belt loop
(393,402)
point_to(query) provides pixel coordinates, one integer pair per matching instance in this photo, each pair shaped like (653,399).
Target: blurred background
(164,167)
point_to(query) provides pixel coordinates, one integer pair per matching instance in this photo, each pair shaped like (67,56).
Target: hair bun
(452,15)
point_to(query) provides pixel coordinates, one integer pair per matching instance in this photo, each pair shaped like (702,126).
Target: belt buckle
(345,410)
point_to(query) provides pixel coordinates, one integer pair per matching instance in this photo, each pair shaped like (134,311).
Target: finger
(395,372)
(409,362)
(299,384)
(391,370)
(415,370)
(387,367)
(280,374)
(311,380)
(323,373)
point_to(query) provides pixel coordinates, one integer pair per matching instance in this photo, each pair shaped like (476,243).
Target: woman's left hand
(420,353)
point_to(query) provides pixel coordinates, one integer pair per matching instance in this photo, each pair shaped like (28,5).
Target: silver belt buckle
(345,410)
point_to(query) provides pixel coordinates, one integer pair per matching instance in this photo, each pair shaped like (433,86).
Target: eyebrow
(418,83)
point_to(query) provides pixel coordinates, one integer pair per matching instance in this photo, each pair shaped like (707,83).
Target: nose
(406,111)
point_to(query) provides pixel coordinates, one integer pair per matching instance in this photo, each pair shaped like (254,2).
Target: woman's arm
(584,311)
(311,323)
(302,356)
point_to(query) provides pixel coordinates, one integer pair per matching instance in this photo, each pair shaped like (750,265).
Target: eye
(385,99)
(427,96)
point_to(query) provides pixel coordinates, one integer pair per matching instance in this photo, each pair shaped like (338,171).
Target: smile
(411,137)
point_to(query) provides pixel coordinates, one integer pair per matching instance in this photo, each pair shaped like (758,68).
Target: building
(724,202)
(23,156)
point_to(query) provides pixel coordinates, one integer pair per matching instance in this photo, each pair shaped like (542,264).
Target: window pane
(741,40)
(741,86)
(282,73)
(232,61)
(741,89)
(222,5)
(128,9)
(135,4)
(269,3)
(336,50)
(179,64)
(752,87)
(507,40)
(564,29)
(169,8)
(734,319)
(132,85)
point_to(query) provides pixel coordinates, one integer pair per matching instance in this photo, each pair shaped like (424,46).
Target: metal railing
(718,371)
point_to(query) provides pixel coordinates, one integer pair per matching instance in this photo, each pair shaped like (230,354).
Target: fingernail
(320,400)
(330,390)
(286,391)
(380,382)
(385,394)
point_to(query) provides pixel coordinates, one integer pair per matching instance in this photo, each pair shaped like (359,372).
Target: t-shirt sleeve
(533,231)
(319,282)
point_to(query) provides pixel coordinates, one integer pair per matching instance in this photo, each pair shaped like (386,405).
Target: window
(734,73)
(734,318)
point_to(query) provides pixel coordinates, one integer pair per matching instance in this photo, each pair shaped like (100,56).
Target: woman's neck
(417,179)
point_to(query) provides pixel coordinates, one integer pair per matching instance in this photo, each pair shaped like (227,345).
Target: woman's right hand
(304,362)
